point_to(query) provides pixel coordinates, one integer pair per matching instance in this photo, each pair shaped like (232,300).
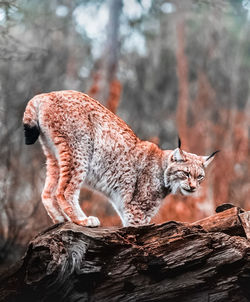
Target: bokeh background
(165,67)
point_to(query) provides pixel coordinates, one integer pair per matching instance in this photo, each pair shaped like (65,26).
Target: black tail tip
(31,134)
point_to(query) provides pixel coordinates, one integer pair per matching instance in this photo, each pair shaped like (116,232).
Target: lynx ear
(177,155)
(208,159)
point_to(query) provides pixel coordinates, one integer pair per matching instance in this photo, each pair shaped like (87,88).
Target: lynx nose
(192,188)
(192,185)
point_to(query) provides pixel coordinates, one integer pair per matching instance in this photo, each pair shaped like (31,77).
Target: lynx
(85,143)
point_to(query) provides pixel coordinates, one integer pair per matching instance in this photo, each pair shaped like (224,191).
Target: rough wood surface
(245,221)
(173,261)
(227,221)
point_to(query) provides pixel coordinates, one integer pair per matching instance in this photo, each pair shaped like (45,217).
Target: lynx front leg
(72,175)
(133,215)
(139,211)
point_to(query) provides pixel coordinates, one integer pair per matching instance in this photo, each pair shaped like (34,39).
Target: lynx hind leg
(49,191)
(73,169)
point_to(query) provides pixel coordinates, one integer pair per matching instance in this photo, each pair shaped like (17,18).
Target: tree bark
(106,87)
(204,261)
(182,74)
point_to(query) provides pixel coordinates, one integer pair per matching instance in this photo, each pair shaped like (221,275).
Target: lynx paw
(90,221)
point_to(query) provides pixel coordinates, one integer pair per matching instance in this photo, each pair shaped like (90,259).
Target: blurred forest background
(165,67)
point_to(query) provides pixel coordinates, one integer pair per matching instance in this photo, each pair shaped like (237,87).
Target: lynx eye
(200,177)
(183,174)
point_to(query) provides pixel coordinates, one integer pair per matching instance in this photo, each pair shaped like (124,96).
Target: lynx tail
(30,123)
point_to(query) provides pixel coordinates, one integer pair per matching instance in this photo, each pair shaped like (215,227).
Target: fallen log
(204,261)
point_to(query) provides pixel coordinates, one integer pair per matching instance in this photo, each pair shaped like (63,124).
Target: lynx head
(185,171)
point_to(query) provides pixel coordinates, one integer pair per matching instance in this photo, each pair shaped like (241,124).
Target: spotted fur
(85,143)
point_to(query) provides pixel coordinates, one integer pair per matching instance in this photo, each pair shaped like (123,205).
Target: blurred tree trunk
(206,261)
(106,87)
(182,73)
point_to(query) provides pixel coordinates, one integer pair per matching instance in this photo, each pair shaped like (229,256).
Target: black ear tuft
(179,142)
(212,155)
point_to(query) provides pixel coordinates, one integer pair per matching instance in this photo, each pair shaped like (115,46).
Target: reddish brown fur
(85,143)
